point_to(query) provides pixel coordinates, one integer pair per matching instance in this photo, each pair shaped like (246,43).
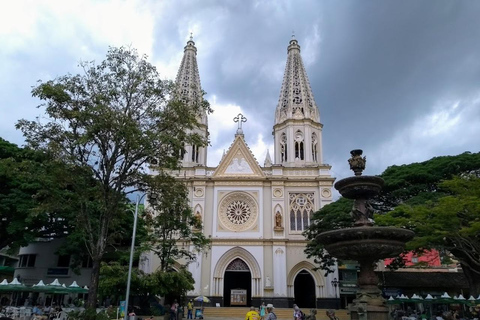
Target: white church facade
(256,214)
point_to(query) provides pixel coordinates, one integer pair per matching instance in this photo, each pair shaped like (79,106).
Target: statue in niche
(278,221)
(198,217)
(268,282)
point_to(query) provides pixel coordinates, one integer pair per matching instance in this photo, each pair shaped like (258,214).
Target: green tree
(113,281)
(175,233)
(174,284)
(411,185)
(333,216)
(26,176)
(106,124)
(450,223)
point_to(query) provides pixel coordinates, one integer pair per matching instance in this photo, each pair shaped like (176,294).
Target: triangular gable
(238,162)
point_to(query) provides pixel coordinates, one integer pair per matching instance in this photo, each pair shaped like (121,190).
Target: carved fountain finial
(357,163)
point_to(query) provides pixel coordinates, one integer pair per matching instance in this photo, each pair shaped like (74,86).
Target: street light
(335,283)
(132,249)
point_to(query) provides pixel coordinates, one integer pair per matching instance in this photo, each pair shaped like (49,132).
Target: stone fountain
(364,242)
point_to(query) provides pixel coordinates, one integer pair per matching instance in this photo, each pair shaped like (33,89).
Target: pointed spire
(296,98)
(188,78)
(268,160)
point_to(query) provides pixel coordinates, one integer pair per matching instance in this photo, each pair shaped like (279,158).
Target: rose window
(238,212)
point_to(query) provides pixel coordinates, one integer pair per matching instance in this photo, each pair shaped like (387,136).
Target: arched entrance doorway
(239,279)
(304,290)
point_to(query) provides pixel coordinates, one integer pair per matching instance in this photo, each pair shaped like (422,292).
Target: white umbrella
(445,295)
(15,282)
(55,283)
(429,297)
(461,297)
(39,284)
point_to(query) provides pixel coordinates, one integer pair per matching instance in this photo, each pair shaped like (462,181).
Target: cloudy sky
(399,79)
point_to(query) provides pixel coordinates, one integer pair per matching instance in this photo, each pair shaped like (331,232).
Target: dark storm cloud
(399,79)
(384,65)
(378,65)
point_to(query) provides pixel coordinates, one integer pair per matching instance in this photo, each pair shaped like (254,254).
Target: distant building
(8,262)
(423,274)
(429,258)
(39,261)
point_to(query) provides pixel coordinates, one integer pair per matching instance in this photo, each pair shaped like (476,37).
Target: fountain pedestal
(364,242)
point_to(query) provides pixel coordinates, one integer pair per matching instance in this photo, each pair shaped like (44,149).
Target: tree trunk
(92,291)
(473,280)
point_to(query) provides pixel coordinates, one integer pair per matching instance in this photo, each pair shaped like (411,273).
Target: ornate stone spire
(296,98)
(268,160)
(190,91)
(297,131)
(188,78)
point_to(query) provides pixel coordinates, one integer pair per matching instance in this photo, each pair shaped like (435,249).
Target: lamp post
(132,249)
(335,284)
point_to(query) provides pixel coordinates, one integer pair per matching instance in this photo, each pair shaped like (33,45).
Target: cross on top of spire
(191,36)
(240,118)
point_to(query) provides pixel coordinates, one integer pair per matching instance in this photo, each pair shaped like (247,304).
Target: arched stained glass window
(292,220)
(301,210)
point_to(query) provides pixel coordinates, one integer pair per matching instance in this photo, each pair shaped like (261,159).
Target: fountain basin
(359,187)
(362,243)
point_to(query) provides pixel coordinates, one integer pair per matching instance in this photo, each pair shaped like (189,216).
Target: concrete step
(282,313)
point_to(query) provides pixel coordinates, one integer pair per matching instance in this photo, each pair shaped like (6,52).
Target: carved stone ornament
(239,165)
(326,193)
(277,193)
(199,192)
(238,211)
(357,163)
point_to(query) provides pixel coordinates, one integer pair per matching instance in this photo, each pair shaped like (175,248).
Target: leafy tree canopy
(113,282)
(25,178)
(450,223)
(105,125)
(175,232)
(406,186)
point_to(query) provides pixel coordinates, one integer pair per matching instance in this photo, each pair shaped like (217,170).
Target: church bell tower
(297,130)
(190,91)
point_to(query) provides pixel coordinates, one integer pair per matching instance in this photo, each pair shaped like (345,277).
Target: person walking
(252,314)
(271,315)
(297,313)
(262,310)
(295,307)
(173,310)
(189,309)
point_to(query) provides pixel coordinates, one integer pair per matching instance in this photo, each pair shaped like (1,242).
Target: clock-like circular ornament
(198,192)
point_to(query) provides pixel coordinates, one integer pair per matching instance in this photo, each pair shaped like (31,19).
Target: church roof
(188,78)
(239,161)
(296,98)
